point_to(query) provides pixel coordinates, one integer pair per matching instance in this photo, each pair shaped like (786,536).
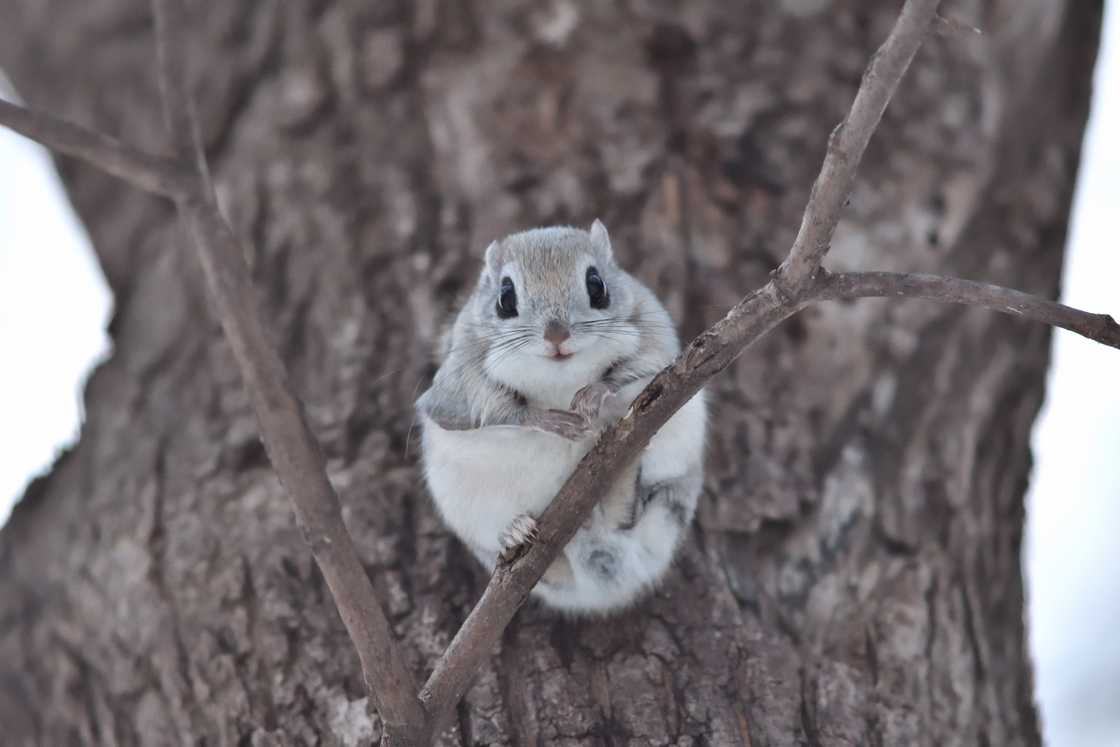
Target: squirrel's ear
(601,240)
(493,259)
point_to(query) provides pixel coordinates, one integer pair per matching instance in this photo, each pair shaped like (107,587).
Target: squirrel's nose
(556,332)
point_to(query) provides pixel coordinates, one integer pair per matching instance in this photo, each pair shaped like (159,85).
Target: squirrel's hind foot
(518,538)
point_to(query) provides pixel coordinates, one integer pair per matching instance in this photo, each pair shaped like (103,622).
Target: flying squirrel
(554,343)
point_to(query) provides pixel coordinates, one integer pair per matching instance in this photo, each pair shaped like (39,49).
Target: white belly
(481,479)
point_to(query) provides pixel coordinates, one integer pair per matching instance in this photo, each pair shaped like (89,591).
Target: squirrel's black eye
(597,290)
(507,300)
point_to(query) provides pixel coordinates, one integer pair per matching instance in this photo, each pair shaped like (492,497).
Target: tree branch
(848,142)
(298,461)
(704,357)
(286,434)
(621,443)
(708,354)
(1100,328)
(154,174)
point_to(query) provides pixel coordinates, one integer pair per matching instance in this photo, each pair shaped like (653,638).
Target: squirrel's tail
(612,568)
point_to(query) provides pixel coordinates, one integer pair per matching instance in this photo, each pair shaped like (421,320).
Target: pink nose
(556,332)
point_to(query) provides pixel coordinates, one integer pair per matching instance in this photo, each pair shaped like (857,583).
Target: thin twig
(705,356)
(176,96)
(286,434)
(298,461)
(161,176)
(848,142)
(1101,328)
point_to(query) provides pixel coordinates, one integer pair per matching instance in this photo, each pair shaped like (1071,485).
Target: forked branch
(848,142)
(711,352)
(1100,328)
(286,434)
(156,174)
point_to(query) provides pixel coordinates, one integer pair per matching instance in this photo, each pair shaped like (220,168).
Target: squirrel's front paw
(589,400)
(517,538)
(570,425)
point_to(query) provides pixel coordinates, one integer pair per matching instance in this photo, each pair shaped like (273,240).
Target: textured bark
(854,577)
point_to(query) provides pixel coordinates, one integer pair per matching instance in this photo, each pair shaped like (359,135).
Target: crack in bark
(514,688)
(931,637)
(251,601)
(88,676)
(807,708)
(464,719)
(973,635)
(186,706)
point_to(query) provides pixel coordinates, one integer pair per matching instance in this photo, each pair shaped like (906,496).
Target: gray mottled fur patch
(603,563)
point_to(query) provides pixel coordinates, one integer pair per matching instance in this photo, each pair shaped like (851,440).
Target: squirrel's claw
(515,541)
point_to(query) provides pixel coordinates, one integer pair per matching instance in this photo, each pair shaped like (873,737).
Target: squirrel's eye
(597,290)
(507,300)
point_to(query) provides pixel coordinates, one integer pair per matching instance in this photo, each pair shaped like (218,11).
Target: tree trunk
(854,577)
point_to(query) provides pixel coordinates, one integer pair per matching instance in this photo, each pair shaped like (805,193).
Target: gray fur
(501,372)
(550,290)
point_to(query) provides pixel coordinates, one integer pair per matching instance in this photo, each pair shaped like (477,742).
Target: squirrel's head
(555,307)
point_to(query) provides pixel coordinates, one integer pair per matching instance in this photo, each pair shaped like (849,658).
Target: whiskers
(469,356)
(472,367)
(505,338)
(464,371)
(630,326)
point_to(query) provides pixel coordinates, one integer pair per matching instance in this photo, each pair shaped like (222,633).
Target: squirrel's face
(555,308)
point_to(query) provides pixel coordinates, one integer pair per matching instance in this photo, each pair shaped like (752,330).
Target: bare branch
(705,356)
(621,443)
(298,462)
(1101,328)
(848,142)
(287,436)
(155,174)
(175,91)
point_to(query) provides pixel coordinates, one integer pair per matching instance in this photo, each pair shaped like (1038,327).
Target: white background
(54,306)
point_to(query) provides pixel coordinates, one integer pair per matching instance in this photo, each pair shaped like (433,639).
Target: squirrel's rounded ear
(493,259)
(601,240)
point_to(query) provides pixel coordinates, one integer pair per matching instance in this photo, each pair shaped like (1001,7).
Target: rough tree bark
(855,574)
